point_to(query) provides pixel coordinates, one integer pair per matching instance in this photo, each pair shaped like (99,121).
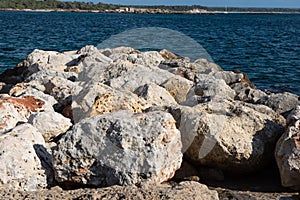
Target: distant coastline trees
(56,4)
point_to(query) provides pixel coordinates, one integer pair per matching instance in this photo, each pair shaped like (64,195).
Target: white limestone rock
(119,148)
(97,98)
(232,136)
(25,163)
(50,124)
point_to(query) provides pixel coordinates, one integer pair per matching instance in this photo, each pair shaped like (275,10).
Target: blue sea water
(265,46)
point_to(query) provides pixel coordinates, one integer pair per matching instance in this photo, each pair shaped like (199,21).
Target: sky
(211,3)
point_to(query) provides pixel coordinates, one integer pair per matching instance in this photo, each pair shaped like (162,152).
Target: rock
(287,152)
(229,77)
(151,59)
(14,110)
(62,89)
(155,95)
(88,50)
(50,124)
(44,76)
(281,103)
(118,50)
(250,95)
(97,98)
(233,136)
(212,88)
(25,162)
(40,60)
(140,76)
(92,59)
(119,148)
(183,190)
(102,73)
(203,66)
(167,55)
(23,90)
(195,191)
(178,87)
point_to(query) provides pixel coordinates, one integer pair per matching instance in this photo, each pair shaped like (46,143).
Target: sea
(264,46)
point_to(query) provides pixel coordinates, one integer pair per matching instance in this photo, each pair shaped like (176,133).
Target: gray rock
(99,72)
(203,66)
(232,136)
(281,103)
(288,152)
(44,76)
(91,60)
(50,124)
(119,148)
(250,95)
(62,89)
(207,89)
(229,77)
(24,159)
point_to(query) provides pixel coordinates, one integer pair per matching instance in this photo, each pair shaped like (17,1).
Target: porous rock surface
(24,159)
(232,136)
(119,148)
(288,152)
(123,106)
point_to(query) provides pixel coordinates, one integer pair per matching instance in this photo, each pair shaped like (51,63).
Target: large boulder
(25,163)
(287,152)
(231,136)
(119,148)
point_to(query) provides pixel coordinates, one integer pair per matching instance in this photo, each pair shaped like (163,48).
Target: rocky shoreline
(141,125)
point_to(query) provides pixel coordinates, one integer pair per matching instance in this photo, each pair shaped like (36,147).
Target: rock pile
(98,118)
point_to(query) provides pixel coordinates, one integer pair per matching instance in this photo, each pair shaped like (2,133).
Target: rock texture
(121,116)
(184,190)
(97,98)
(24,160)
(281,103)
(119,148)
(288,152)
(15,110)
(232,136)
(50,124)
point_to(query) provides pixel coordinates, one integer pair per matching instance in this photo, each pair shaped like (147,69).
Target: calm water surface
(266,47)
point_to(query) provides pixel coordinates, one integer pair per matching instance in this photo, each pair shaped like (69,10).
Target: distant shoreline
(144,11)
